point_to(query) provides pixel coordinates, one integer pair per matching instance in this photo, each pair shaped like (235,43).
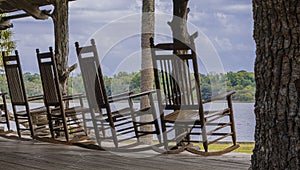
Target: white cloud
(224,43)
(102,5)
(220,20)
(196,16)
(238,8)
(220,16)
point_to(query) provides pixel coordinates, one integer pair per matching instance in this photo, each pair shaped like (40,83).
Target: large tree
(147,75)
(277,66)
(60,17)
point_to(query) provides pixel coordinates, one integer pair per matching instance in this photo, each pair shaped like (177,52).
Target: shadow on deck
(32,154)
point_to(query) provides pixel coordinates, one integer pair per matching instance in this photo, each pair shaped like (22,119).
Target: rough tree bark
(60,17)
(180,31)
(147,75)
(277,66)
(178,24)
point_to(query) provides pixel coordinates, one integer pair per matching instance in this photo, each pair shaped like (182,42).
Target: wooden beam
(29,8)
(17,16)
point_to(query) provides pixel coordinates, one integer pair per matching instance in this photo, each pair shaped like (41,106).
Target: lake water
(244,120)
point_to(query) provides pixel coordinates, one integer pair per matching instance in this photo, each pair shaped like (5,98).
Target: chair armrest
(37,97)
(142,94)
(73,96)
(125,94)
(129,97)
(219,97)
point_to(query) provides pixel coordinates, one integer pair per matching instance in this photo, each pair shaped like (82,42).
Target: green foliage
(212,84)
(33,84)
(119,83)
(6,44)
(242,82)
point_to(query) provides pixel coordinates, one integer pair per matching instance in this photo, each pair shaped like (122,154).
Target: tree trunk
(180,33)
(178,24)
(60,18)
(277,66)
(147,75)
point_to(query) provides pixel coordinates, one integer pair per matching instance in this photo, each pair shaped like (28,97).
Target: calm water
(244,120)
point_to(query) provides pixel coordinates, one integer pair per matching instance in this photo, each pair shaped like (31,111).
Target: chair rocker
(122,123)
(181,106)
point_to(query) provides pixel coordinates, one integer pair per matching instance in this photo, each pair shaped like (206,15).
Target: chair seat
(76,109)
(34,111)
(192,116)
(122,112)
(70,111)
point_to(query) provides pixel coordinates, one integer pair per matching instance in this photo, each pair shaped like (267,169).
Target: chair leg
(114,136)
(102,124)
(65,125)
(165,135)
(30,122)
(98,138)
(231,117)
(232,129)
(6,112)
(50,122)
(7,118)
(157,131)
(84,121)
(204,136)
(17,121)
(51,125)
(65,128)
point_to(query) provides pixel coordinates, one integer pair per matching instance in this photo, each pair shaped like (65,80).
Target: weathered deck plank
(15,154)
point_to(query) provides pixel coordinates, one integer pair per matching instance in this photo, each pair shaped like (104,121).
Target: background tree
(147,75)
(277,66)
(6,43)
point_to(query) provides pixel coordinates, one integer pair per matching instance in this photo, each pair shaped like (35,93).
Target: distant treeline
(242,82)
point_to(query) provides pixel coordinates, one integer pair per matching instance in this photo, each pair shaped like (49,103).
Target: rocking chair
(61,118)
(181,106)
(122,123)
(4,118)
(26,118)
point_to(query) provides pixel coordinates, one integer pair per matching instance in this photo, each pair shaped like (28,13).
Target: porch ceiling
(30,8)
(7,6)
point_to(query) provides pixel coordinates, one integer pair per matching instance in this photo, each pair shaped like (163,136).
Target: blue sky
(225,27)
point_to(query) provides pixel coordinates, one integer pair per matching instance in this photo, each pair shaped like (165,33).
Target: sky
(224,43)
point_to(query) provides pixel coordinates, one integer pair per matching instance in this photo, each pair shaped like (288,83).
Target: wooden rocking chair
(32,119)
(181,106)
(61,118)
(123,123)
(4,118)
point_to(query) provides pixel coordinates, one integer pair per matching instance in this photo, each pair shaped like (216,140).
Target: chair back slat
(92,76)
(14,78)
(49,83)
(176,77)
(92,82)
(49,78)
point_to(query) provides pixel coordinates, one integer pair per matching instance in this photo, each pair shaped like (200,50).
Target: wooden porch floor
(28,155)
